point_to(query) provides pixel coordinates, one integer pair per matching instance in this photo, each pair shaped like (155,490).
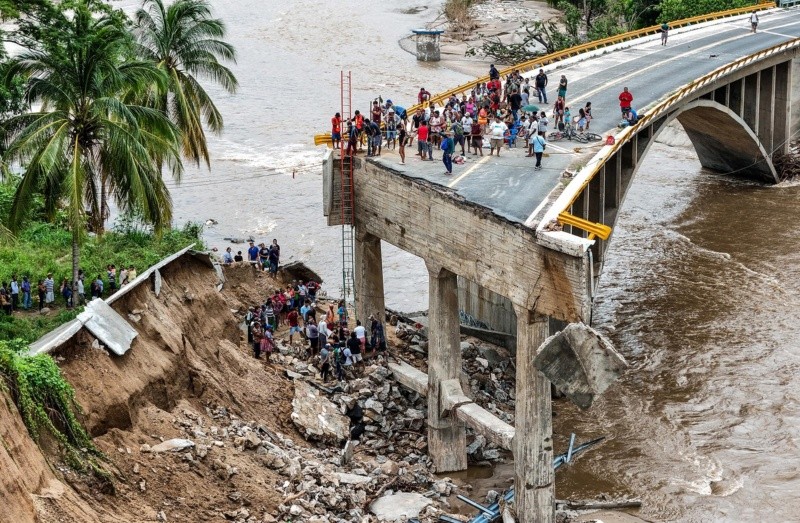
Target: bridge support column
(447,440)
(368,277)
(783,107)
(534,477)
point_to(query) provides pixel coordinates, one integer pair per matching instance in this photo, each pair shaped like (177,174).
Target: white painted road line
(468,171)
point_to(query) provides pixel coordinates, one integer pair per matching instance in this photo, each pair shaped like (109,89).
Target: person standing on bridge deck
(336,130)
(423,145)
(401,144)
(498,130)
(423,95)
(447,153)
(754,21)
(562,87)
(664,33)
(538,143)
(494,74)
(476,137)
(625,99)
(541,83)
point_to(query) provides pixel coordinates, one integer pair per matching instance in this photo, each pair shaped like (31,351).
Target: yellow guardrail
(541,61)
(594,229)
(657,111)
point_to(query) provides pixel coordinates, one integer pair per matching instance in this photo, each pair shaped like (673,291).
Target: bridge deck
(509,185)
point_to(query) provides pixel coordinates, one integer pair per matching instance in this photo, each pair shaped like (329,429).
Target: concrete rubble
(382,475)
(316,417)
(580,362)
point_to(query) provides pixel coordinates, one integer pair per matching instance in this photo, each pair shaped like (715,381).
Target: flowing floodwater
(266,178)
(699,291)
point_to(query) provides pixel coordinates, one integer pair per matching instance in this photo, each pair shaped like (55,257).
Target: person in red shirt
(294,324)
(625,99)
(423,95)
(377,112)
(359,119)
(422,141)
(336,130)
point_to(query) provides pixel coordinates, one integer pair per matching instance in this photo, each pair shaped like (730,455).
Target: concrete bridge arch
(722,139)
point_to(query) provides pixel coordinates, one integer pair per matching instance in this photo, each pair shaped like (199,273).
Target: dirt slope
(189,360)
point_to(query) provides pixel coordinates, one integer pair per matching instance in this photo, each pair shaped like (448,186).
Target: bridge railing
(560,209)
(541,61)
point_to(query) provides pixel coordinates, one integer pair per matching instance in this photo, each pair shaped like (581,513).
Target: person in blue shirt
(448,146)
(538,143)
(227,258)
(252,253)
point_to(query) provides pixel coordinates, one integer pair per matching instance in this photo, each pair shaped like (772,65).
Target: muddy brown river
(700,291)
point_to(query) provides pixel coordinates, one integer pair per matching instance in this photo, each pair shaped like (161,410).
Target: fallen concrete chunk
(400,506)
(108,326)
(580,362)
(157,282)
(410,377)
(352,479)
(317,417)
(173,445)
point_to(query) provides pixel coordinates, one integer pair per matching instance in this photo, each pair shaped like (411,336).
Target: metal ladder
(347,194)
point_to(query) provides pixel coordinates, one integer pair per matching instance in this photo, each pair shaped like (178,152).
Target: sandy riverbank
(496,19)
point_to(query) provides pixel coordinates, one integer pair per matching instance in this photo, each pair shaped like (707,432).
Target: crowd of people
(262,256)
(494,113)
(324,336)
(18,295)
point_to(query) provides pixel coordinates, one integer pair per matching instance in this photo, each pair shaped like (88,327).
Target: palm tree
(83,135)
(186,43)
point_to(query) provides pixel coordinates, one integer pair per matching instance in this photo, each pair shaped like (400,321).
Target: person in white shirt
(323,330)
(361,334)
(466,122)
(543,121)
(753,21)
(498,130)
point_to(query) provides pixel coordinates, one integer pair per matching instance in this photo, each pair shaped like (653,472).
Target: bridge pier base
(534,477)
(368,277)
(447,439)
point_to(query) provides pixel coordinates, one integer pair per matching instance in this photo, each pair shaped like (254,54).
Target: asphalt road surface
(509,185)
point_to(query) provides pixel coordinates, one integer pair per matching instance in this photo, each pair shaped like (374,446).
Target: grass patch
(43,248)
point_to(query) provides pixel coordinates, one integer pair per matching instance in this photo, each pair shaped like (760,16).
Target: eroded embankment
(188,359)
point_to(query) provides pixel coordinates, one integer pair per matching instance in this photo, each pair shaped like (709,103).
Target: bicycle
(569,133)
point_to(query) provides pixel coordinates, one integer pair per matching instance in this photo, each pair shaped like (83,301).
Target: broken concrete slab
(399,506)
(299,271)
(352,479)
(173,445)
(317,417)
(580,362)
(410,377)
(157,282)
(108,326)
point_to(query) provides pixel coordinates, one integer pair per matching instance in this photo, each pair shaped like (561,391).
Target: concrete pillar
(766,107)
(534,477)
(447,439)
(752,100)
(783,107)
(368,277)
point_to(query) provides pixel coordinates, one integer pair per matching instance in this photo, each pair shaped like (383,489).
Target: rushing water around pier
(699,292)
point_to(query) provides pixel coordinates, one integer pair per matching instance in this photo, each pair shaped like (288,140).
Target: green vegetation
(587,20)
(185,43)
(47,404)
(117,104)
